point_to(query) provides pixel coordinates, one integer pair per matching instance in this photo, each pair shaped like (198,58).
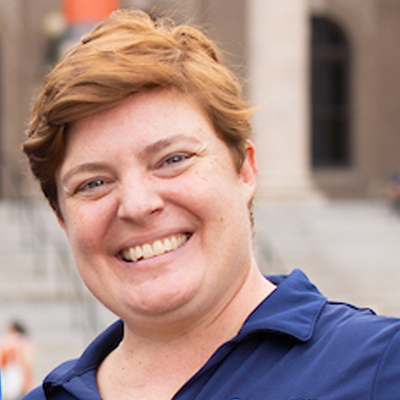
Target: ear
(248,172)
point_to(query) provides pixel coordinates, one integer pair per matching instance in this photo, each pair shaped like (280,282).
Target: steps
(350,249)
(35,259)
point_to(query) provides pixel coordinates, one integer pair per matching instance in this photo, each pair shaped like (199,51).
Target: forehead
(150,120)
(149,111)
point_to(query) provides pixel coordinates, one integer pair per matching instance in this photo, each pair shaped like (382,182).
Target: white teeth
(139,252)
(126,255)
(167,245)
(157,248)
(174,242)
(181,240)
(132,254)
(147,251)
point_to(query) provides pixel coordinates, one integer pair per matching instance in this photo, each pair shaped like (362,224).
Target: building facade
(324,73)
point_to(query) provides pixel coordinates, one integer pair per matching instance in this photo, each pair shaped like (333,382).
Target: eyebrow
(163,143)
(85,167)
(149,150)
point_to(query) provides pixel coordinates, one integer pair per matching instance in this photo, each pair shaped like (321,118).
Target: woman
(141,142)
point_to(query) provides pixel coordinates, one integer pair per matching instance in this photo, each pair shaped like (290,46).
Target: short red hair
(127,54)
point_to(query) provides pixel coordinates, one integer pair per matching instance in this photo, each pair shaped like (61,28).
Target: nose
(139,200)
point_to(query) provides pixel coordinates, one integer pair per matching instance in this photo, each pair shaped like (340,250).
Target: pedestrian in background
(393,191)
(16,361)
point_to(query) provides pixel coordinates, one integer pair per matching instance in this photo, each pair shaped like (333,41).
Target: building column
(279,84)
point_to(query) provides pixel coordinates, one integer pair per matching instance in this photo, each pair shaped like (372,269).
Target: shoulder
(356,327)
(337,344)
(36,394)
(347,319)
(386,385)
(357,340)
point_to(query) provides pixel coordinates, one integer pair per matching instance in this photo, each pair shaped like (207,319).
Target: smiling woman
(141,142)
(153,185)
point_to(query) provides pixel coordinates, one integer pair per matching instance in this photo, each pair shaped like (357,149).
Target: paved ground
(350,249)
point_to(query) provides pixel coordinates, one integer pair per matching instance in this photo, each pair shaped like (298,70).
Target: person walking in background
(16,360)
(393,191)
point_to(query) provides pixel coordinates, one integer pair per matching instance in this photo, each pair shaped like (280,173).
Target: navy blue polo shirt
(294,346)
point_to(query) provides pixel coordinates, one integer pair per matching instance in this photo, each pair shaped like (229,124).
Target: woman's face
(155,211)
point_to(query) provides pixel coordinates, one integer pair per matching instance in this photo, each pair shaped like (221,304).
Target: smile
(156,248)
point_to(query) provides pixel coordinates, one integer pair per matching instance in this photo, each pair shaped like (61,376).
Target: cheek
(216,189)
(85,224)
(215,198)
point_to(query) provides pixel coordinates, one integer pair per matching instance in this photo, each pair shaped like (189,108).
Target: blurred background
(326,75)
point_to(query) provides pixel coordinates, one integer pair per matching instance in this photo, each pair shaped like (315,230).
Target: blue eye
(91,185)
(174,164)
(176,158)
(95,184)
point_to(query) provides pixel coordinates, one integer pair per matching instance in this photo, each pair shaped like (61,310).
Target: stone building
(325,73)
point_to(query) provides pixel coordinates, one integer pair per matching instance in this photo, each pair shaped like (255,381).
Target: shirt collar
(292,308)
(69,374)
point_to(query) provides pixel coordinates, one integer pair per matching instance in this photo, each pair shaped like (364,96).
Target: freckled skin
(142,197)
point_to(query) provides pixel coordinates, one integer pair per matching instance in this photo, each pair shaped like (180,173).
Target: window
(330,95)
